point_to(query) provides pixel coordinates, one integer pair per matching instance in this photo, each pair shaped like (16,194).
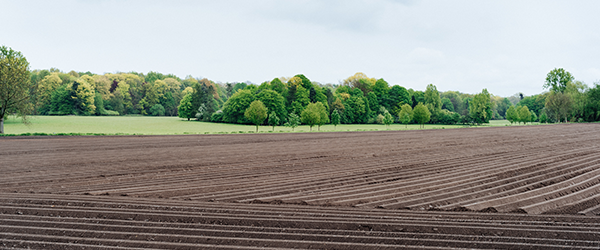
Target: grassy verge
(147,125)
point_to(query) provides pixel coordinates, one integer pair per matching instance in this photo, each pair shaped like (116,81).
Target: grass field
(148,125)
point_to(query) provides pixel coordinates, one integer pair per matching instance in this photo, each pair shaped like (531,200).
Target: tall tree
(185,109)
(421,114)
(480,109)
(256,113)
(559,105)
(557,80)
(14,84)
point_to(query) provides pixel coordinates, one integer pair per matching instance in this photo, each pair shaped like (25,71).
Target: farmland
(521,187)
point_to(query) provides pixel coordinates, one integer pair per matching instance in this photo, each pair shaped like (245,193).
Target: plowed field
(527,187)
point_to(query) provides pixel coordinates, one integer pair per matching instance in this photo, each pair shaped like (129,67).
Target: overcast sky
(504,46)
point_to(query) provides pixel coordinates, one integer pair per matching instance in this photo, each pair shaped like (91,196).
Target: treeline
(358,99)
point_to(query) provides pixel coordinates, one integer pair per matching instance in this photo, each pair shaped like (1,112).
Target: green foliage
(524,115)
(559,106)
(512,115)
(432,98)
(14,84)
(388,119)
(185,108)
(314,114)
(447,104)
(591,110)
(236,105)
(335,118)
(421,114)
(273,101)
(273,120)
(217,116)
(157,110)
(398,96)
(256,113)
(480,109)
(83,94)
(543,118)
(557,80)
(293,121)
(406,114)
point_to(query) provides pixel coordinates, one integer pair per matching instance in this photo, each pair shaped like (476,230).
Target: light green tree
(314,114)
(388,119)
(293,121)
(512,115)
(421,114)
(406,114)
(185,109)
(273,120)
(324,117)
(335,118)
(524,115)
(14,85)
(256,113)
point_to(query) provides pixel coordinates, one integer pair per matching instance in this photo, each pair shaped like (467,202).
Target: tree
(273,120)
(335,118)
(432,98)
(388,119)
(256,113)
(421,114)
(543,117)
(480,109)
(83,94)
(293,121)
(559,105)
(235,106)
(157,110)
(512,115)
(14,85)
(406,114)
(524,115)
(273,101)
(185,109)
(557,80)
(314,114)
(447,104)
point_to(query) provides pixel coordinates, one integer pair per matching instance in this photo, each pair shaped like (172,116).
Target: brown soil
(535,187)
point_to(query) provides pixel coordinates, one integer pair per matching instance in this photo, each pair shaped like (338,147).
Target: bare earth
(521,187)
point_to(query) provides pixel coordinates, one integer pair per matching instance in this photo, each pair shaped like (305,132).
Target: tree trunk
(2,125)
(256,128)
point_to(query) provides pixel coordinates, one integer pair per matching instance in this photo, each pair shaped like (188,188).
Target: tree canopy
(14,84)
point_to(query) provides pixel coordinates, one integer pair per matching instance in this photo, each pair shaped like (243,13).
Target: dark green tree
(157,110)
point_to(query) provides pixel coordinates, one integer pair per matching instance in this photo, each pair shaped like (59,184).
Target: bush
(217,116)
(157,110)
